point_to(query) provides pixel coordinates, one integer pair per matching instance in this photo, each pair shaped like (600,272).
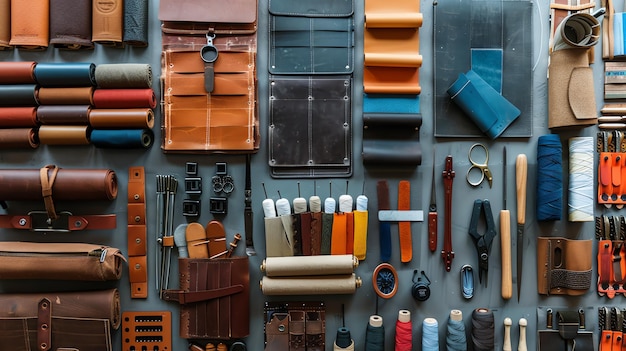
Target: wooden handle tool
(505,240)
(507,334)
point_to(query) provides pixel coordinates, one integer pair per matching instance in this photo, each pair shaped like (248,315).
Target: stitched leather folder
(209,106)
(30,21)
(70,24)
(214,298)
(315,37)
(108,22)
(59,321)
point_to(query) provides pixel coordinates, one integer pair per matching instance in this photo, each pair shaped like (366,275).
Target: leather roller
(121,118)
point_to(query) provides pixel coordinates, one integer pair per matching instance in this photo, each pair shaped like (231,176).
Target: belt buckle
(40,222)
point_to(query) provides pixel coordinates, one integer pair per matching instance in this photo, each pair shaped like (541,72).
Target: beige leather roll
(63,135)
(311,285)
(309,265)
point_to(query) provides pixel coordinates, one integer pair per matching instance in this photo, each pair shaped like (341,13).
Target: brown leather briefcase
(214,298)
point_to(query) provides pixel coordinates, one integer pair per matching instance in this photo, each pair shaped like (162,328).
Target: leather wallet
(213,308)
(310,123)
(81,320)
(30,22)
(108,22)
(5,24)
(70,24)
(60,261)
(312,37)
(563,266)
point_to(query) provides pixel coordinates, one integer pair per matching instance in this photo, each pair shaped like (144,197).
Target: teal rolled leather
(489,110)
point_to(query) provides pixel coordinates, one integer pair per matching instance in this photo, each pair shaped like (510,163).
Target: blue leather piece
(391,103)
(487,63)
(489,110)
(121,138)
(467,281)
(75,74)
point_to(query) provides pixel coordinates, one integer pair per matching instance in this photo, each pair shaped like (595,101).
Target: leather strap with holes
(137,246)
(404,228)
(47,175)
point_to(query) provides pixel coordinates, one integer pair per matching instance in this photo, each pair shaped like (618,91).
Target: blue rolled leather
(391,103)
(121,138)
(489,110)
(74,74)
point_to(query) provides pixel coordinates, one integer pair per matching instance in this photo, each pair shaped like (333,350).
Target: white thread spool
(345,203)
(269,210)
(283,207)
(522,335)
(507,334)
(361,203)
(315,203)
(299,205)
(330,205)
(581,197)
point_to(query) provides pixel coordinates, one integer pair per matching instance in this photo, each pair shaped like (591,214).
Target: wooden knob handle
(507,334)
(522,335)
(521,174)
(505,243)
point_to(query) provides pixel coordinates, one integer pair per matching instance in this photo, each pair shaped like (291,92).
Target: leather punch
(482,241)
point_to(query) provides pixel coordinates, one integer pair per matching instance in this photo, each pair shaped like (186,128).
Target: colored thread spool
(549,178)
(482,329)
(404,328)
(455,334)
(581,199)
(375,334)
(430,335)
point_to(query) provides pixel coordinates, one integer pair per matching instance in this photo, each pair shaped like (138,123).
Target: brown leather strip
(47,181)
(316,233)
(137,234)
(404,228)
(44,325)
(74,223)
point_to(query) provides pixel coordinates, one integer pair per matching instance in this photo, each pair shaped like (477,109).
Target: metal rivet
(22,221)
(137,241)
(137,266)
(136,197)
(137,218)
(77,224)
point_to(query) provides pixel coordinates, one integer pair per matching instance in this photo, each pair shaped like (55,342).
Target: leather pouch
(59,321)
(310,123)
(563,266)
(214,298)
(70,24)
(571,94)
(311,37)
(30,22)
(566,330)
(279,236)
(60,261)
(295,326)
(108,22)
(209,106)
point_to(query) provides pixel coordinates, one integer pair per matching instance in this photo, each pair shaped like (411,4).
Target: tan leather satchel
(59,321)
(59,261)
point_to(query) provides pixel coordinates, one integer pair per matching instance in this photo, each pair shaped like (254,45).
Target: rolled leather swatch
(63,114)
(70,184)
(97,304)
(30,22)
(403,120)
(136,22)
(124,76)
(70,74)
(63,135)
(121,118)
(70,24)
(394,20)
(487,108)
(121,138)
(18,95)
(5,24)
(124,98)
(390,152)
(309,265)
(311,285)
(19,72)
(66,96)
(12,117)
(108,22)
(18,138)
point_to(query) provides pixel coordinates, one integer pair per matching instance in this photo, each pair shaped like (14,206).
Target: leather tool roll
(121,138)
(63,135)
(63,114)
(124,98)
(213,308)
(66,96)
(70,74)
(19,72)
(74,320)
(60,261)
(11,117)
(18,95)
(563,266)
(30,22)
(18,138)
(140,118)
(123,76)
(108,22)
(70,24)
(136,22)
(5,24)
(69,184)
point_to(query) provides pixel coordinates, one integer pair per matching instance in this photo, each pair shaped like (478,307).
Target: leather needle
(505,238)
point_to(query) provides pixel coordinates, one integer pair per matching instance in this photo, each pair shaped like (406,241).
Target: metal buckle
(40,222)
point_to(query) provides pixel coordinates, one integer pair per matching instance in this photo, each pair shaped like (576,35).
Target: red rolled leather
(63,135)
(18,138)
(121,118)
(11,117)
(69,184)
(66,96)
(21,72)
(124,98)
(63,114)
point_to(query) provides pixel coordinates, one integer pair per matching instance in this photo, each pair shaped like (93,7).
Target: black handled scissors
(482,167)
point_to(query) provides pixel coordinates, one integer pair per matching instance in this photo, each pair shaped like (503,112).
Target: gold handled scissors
(472,179)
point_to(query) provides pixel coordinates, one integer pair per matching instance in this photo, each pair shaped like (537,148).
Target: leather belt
(404,228)
(382,191)
(37,221)
(137,236)
(448,176)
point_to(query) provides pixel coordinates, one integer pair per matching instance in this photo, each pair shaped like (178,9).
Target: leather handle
(505,242)
(521,174)
(432,231)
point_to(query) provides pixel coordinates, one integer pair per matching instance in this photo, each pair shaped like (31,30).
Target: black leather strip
(562,278)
